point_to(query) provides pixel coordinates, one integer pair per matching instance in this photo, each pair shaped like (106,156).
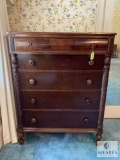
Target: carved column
(103,96)
(104,88)
(17,97)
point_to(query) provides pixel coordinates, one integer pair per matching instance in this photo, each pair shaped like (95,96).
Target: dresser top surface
(61,34)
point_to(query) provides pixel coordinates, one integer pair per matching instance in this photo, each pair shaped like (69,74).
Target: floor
(113,92)
(70,146)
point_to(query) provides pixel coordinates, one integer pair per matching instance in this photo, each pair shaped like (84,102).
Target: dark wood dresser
(60,81)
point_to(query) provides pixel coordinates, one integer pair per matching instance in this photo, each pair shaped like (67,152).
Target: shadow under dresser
(60,81)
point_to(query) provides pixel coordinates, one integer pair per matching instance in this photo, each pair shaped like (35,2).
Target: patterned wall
(53,15)
(116,24)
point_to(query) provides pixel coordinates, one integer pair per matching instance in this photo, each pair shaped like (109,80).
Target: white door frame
(105,15)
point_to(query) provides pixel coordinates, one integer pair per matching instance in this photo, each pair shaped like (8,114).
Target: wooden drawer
(61,80)
(59,62)
(59,119)
(60,100)
(59,44)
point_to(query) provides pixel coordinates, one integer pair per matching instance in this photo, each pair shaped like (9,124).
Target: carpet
(113,91)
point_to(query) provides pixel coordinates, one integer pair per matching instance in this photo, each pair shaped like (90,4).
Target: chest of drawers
(58,87)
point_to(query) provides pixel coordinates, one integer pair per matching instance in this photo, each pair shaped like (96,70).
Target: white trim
(100,15)
(112,112)
(105,15)
(109,13)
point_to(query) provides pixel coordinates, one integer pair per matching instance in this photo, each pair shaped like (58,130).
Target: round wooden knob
(89,82)
(29,44)
(86,120)
(31,81)
(91,63)
(33,120)
(87,101)
(33,100)
(31,62)
(93,45)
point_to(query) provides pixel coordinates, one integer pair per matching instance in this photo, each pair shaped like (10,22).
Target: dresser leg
(98,137)
(20,136)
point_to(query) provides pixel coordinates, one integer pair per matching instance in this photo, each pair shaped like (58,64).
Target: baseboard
(112,112)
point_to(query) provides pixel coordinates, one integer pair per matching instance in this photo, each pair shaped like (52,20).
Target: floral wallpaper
(116,24)
(53,15)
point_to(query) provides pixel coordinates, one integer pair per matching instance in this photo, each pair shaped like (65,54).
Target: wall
(53,15)
(116,24)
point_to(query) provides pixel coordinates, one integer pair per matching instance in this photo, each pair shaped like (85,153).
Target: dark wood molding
(104,91)
(61,34)
(61,130)
(103,97)
(110,45)
(58,52)
(16,88)
(20,132)
(11,43)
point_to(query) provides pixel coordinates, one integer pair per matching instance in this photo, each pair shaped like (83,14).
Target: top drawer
(59,44)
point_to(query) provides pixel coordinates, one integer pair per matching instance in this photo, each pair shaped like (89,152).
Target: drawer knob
(89,82)
(86,120)
(31,81)
(91,63)
(29,44)
(31,62)
(33,120)
(33,100)
(87,101)
(93,46)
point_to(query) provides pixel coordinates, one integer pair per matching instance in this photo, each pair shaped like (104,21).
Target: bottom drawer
(60,119)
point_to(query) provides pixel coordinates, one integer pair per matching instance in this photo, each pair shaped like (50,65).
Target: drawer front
(60,62)
(62,119)
(60,80)
(60,100)
(59,44)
